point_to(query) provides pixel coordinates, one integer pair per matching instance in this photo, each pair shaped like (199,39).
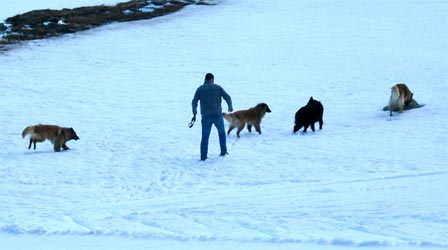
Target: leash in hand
(190,125)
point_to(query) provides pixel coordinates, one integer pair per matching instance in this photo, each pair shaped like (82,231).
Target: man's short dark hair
(209,76)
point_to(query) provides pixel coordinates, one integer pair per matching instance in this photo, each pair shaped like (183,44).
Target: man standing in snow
(210,95)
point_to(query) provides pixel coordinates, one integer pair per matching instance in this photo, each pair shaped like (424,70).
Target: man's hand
(192,121)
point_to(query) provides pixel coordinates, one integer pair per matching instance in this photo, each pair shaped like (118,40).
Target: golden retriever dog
(400,96)
(58,136)
(251,117)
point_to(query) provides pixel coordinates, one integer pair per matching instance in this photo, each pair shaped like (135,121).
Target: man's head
(209,77)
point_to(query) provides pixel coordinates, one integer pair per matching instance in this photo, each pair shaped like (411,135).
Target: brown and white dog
(400,96)
(252,116)
(58,136)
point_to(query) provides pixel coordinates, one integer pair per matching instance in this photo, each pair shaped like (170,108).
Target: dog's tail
(227,117)
(28,130)
(395,92)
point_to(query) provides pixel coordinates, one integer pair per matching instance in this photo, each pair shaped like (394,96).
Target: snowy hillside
(134,179)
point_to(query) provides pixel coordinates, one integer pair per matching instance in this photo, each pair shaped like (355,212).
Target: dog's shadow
(37,152)
(41,152)
(301,133)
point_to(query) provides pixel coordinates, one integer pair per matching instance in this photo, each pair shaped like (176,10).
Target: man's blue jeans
(207,122)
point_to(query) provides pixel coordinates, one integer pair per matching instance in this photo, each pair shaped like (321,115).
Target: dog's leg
(312,127)
(258,128)
(57,146)
(31,142)
(249,127)
(231,127)
(401,104)
(305,128)
(321,122)
(240,128)
(64,146)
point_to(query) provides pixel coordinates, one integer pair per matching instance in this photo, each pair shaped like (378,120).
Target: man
(210,95)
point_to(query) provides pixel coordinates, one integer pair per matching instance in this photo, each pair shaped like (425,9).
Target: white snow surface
(134,179)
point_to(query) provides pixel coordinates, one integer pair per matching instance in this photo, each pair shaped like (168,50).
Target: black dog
(308,115)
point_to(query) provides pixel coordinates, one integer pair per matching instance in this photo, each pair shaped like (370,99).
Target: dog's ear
(310,101)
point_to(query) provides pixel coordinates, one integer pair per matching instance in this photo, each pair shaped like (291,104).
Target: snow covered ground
(134,179)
